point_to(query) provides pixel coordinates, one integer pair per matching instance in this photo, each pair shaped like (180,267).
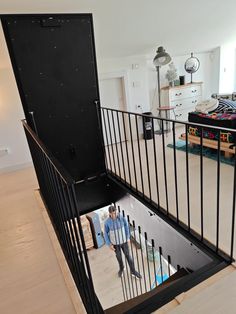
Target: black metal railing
(147,259)
(153,169)
(58,192)
(198,198)
(57,189)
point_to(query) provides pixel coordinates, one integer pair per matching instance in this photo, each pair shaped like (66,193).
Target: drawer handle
(194,101)
(178,94)
(179,115)
(178,105)
(194,90)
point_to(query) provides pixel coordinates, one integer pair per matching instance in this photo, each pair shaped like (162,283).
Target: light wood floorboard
(30,277)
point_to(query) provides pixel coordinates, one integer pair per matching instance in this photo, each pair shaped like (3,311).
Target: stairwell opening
(160,253)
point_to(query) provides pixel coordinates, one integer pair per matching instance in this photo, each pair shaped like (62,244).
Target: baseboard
(16,167)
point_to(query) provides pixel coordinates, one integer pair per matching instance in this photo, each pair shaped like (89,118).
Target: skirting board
(72,290)
(16,167)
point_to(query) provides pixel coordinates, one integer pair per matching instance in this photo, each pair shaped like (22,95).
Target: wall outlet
(135,66)
(4,151)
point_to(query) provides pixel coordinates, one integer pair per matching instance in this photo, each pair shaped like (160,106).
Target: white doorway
(112,96)
(112,93)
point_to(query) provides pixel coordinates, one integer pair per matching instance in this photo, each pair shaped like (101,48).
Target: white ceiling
(129,27)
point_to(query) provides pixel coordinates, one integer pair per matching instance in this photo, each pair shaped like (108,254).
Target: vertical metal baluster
(139,154)
(169,263)
(132,150)
(112,148)
(132,284)
(148,171)
(132,253)
(76,241)
(63,228)
(118,243)
(90,297)
(233,211)
(160,255)
(178,267)
(60,211)
(125,286)
(146,246)
(129,279)
(114,132)
(141,248)
(218,194)
(71,232)
(73,201)
(175,172)
(187,178)
(108,146)
(201,183)
(127,152)
(164,164)
(154,263)
(155,163)
(137,257)
(61,186)
(121,145)
(100,128)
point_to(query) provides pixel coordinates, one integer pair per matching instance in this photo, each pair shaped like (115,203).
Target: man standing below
(117,236)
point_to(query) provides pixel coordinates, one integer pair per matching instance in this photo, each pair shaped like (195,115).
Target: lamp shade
(161,58)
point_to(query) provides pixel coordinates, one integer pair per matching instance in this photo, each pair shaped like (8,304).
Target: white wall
(11,113)
(136,73)
(227,68)
(215,70)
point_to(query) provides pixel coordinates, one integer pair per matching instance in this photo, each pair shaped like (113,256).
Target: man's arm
(106,234)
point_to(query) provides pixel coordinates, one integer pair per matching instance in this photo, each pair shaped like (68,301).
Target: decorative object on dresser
(171,74)
(161,58)
(182,80)
(183,97)
(191,65)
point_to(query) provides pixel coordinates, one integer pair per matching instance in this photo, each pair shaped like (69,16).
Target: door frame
(123,75)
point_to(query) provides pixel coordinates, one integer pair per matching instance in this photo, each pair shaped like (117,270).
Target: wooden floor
(209,179)
(30,277)
(217,295)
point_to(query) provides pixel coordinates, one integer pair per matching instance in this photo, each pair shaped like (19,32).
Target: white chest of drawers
(184,98)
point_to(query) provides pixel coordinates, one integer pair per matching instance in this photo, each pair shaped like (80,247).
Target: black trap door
(54,62)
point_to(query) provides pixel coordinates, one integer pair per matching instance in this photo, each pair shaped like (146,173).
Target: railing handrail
(188,123)
(65,176)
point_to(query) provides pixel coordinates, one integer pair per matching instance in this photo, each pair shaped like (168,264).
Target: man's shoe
(136,274)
